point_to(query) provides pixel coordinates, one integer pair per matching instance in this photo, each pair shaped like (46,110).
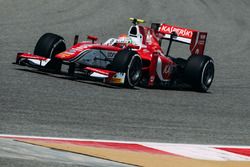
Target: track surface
(44,105)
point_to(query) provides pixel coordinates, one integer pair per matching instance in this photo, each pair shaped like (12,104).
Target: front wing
(40,62)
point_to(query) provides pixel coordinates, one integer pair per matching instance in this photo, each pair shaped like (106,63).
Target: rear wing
(195,39)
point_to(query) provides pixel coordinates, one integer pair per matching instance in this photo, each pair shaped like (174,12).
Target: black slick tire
(48,46)
(199,72)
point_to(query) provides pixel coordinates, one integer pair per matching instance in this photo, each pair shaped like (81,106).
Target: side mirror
(76,39)
(92,38)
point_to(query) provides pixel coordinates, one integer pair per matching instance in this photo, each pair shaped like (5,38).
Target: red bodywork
(75,50)
(155,63)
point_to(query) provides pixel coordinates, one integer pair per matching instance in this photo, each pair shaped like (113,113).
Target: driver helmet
(123,40)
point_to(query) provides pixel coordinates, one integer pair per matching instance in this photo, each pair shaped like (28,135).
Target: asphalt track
(33,103)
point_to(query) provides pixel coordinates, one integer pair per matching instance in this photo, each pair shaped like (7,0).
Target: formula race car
(135,58)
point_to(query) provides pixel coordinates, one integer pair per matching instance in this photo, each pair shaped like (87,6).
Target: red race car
(135,58)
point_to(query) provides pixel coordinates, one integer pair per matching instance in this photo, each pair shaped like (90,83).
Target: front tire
(48,46)
(199,72)
(129,62)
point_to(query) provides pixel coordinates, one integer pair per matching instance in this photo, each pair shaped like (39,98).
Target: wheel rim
(208,74)
(134,71)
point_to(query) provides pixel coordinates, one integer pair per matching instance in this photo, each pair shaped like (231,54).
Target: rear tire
(129,62)
(48,46)
(199,72)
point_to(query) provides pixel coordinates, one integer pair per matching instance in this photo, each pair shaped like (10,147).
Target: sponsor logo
(182,32)
(145,50)
(70,52)
(118,78)
(197,51)
(203,37)
(65,55)
(201,42)
(152,78)
(167,70)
